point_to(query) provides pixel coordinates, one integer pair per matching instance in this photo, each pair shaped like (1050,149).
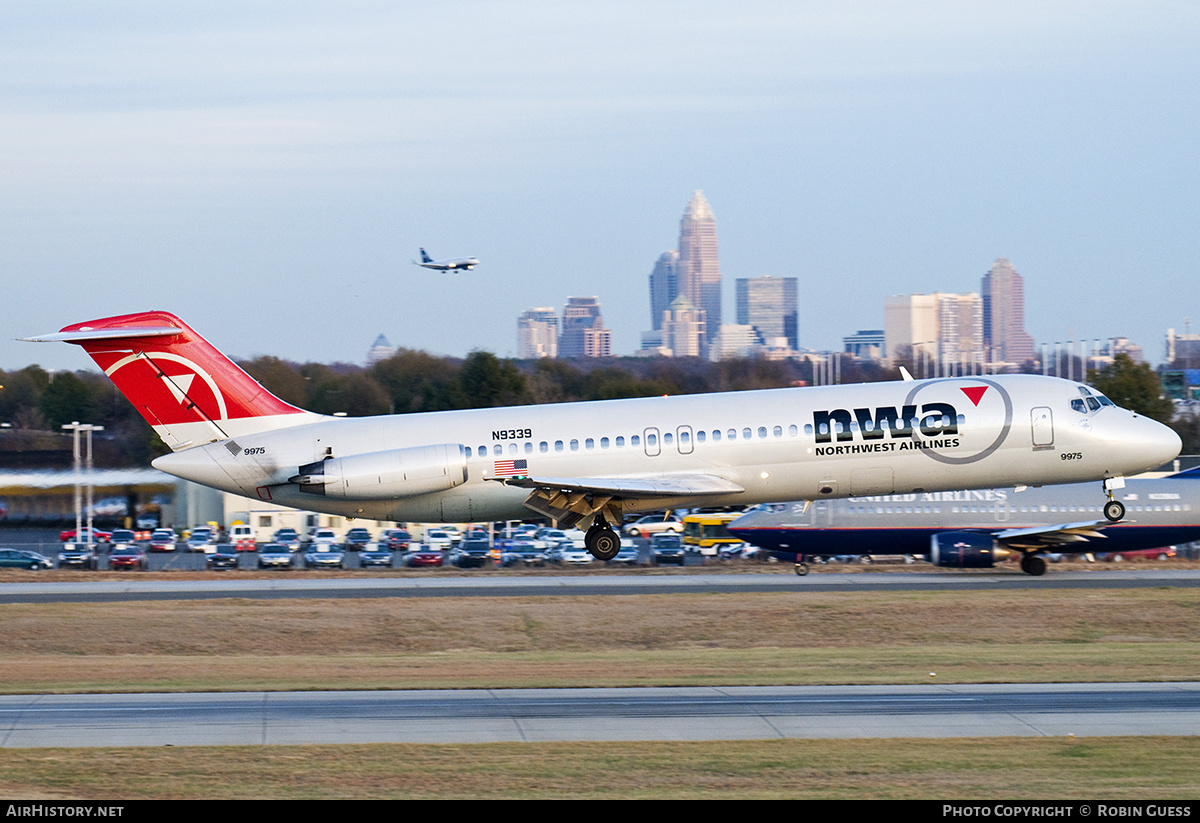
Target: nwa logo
(935,428)
(936,421)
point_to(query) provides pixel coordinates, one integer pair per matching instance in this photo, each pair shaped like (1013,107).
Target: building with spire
(381,349)
(698,271)
(1004,334)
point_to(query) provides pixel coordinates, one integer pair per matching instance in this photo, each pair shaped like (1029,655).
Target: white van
(242,538)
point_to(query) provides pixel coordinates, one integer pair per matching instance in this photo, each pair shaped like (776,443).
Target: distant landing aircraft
(428,262)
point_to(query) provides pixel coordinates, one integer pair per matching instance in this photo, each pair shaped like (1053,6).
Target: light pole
(77,427)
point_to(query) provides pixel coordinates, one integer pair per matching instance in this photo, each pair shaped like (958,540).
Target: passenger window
(483,451)
(634,441)
(762,432)
(543,447)
(667,438)
(620,442)
(589,444)
(745,434)
(777,431)
(792,430)
(700,435)
(574,445)
(604,442)
(558,445)
(731,434)
(529,448)
(497,450)
(716,436)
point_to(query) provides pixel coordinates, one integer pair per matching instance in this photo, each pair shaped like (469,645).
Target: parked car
(471,553)
(1165,553)
(78,556)
(202,539)
(99,536)
(666,548)
(324,556)
(288,537)
(275,556)
(356,539)
(398,540)
(626,556)
(24,559)
(425,556)
(521,552)
(375,555)
(567,554)
(323,536)
(225,557)
(654,524)
(122,537)
(162,540)
(439,539)
(128,557)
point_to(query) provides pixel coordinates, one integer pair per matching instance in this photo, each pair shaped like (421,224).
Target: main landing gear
(601,540)
(1114,509)
(1033,564)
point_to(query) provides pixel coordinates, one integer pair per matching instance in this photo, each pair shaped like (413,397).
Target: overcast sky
(267,170)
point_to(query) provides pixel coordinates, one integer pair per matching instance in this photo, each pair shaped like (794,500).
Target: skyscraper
(537,334)
(944,331)
(683,329)
(698,270)
(1004,315)
(583,331)
(664,286)
(769,305)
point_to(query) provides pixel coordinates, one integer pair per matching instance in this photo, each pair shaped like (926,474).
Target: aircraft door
(650,442)
(683,439)
(1042,424)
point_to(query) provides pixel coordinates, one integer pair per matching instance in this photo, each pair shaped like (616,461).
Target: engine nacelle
(386,475)
(963,550)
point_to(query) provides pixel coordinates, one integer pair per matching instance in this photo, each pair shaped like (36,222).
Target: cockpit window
(1078,406)
(1093,404)
(1090,400)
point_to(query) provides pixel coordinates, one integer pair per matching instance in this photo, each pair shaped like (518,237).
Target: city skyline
(251,167)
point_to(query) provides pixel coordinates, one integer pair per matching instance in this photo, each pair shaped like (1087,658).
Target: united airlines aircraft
(591,463)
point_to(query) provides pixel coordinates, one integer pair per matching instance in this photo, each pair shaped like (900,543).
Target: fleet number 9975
(1071,456)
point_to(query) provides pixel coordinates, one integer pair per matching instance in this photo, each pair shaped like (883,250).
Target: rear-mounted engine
(386,475)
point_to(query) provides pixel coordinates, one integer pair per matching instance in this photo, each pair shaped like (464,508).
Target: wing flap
(1038,537)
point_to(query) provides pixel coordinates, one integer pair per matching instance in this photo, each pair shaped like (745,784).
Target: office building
(698,272)
(683,329)
(381,349)
(583,331)
(769,305)
(942,331)
(537,334)
(1004,337)
(664,286)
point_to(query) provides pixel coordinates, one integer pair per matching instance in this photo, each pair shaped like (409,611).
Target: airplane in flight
(592,462)
(975,529)
(465,263)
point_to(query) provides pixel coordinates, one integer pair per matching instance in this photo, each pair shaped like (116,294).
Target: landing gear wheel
(602,542)
(1033,565)
(1114,510)
(801,569)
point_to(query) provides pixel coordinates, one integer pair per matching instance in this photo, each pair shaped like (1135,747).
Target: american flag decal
(510,468)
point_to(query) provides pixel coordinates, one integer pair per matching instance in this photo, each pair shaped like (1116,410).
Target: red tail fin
(184,387)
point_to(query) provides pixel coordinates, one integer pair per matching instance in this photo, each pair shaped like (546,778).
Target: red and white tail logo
(184,387)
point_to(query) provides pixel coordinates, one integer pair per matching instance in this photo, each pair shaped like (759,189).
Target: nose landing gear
(1114,509)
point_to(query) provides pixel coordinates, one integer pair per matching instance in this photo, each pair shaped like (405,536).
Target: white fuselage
(776,445)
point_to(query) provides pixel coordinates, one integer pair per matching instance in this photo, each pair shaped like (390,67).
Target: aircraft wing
(570,499)
(1038,537)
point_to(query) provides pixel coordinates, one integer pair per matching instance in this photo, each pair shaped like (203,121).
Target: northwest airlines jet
(582,463)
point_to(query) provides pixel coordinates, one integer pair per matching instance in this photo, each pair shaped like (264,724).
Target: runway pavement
(146,587)
(535,715)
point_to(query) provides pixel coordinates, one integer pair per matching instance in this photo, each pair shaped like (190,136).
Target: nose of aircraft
(1139,443)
